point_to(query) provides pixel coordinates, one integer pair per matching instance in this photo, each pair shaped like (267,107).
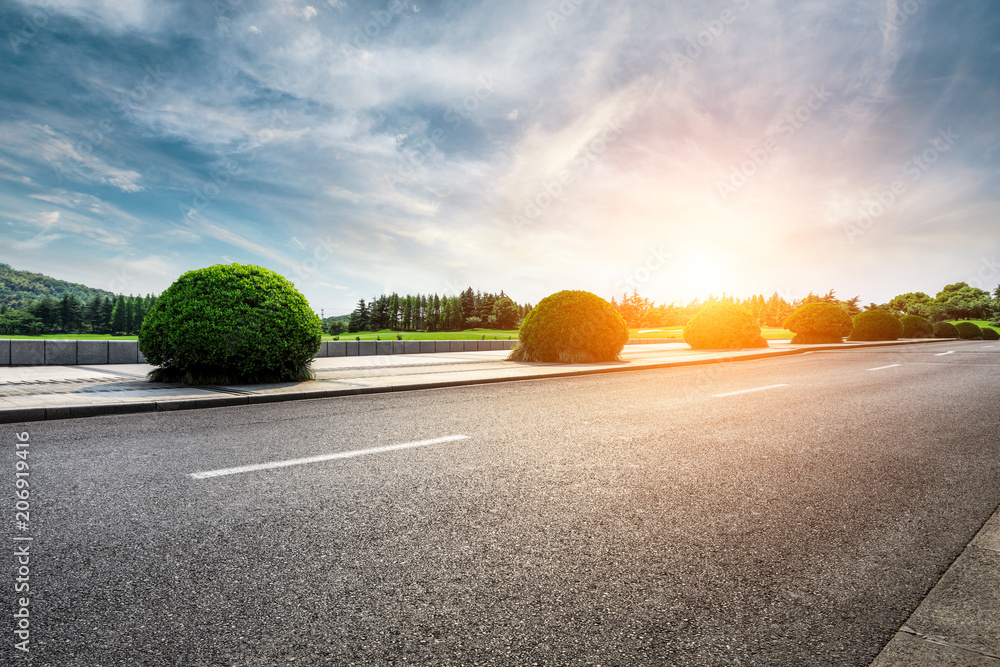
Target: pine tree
(92,313)
(505,313)
(118,315)
(71,312)
(407,312)
(446,314)
(140,314)
(468,304)
(394,311)
(129,314)
(358,320)
(107,308)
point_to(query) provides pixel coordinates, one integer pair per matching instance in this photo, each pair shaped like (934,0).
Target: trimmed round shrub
(819,323)
(722,326)
(571,327)
(915,326)
(876,325)
(945,330)
(969,331)
(230,324)
(990,334)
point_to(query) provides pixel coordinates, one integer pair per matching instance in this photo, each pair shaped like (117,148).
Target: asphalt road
(621,519)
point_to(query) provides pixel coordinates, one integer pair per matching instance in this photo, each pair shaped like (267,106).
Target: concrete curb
(958,621)
(70,412)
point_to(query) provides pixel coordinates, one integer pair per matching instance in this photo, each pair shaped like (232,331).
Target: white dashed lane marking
(747,391)
(324,457)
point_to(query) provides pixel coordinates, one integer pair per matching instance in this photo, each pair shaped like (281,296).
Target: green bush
(876,325)
(945,330)
(230,324)
(819,323)
(990,334)
(915,326)
(722,326)
(571,327)
(969,331)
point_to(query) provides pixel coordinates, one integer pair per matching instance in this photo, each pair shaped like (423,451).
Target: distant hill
(19,288)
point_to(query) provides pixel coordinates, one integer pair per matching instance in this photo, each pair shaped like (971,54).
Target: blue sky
(364,147)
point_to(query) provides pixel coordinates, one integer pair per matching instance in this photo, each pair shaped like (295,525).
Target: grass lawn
(388,334)
(678,332)
(73,337)
(979,323)
(470,334)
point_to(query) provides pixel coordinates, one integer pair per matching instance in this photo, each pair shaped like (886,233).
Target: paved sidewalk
(36,393)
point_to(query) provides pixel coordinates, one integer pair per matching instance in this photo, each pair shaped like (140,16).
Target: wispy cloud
(415,137)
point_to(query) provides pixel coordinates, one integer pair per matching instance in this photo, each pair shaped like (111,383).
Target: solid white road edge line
(882,368)
(324,457)
(941,354)
(747,391)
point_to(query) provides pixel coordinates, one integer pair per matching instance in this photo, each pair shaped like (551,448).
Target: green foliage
(571,327)
(49,315)
(20,288)
(723,326)
(915,303)
(915,326)
(435,312)
(335,325)
(819,322)
(505,313)
(969,331)
(990,334)
(876,325)
(230,324)
(945,330)
(961,301)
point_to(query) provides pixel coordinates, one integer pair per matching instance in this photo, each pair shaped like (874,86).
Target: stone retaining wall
(39,352)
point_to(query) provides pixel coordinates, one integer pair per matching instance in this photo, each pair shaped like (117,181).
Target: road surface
(788,511)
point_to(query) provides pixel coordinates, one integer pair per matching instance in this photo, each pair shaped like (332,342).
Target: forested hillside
(20,288)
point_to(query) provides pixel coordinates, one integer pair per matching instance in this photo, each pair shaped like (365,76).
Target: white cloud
(115,15)
(41,142)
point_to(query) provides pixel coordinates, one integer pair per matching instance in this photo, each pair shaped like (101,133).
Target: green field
(470,334)
(678,332)
(388,334)
(978,323)
(72,337)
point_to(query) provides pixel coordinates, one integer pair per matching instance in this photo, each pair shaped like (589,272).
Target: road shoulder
(958,622)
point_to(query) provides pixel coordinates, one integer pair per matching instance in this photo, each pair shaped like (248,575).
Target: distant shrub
(945,330)
(722,326)
(819,323)
(990,334)
(876,325)
(969,331)
(915,326)
(230,324)
(571,327)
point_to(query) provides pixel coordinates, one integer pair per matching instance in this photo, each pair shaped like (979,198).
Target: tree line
(432,312)
(958,301)
(116,314)
(20,288)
